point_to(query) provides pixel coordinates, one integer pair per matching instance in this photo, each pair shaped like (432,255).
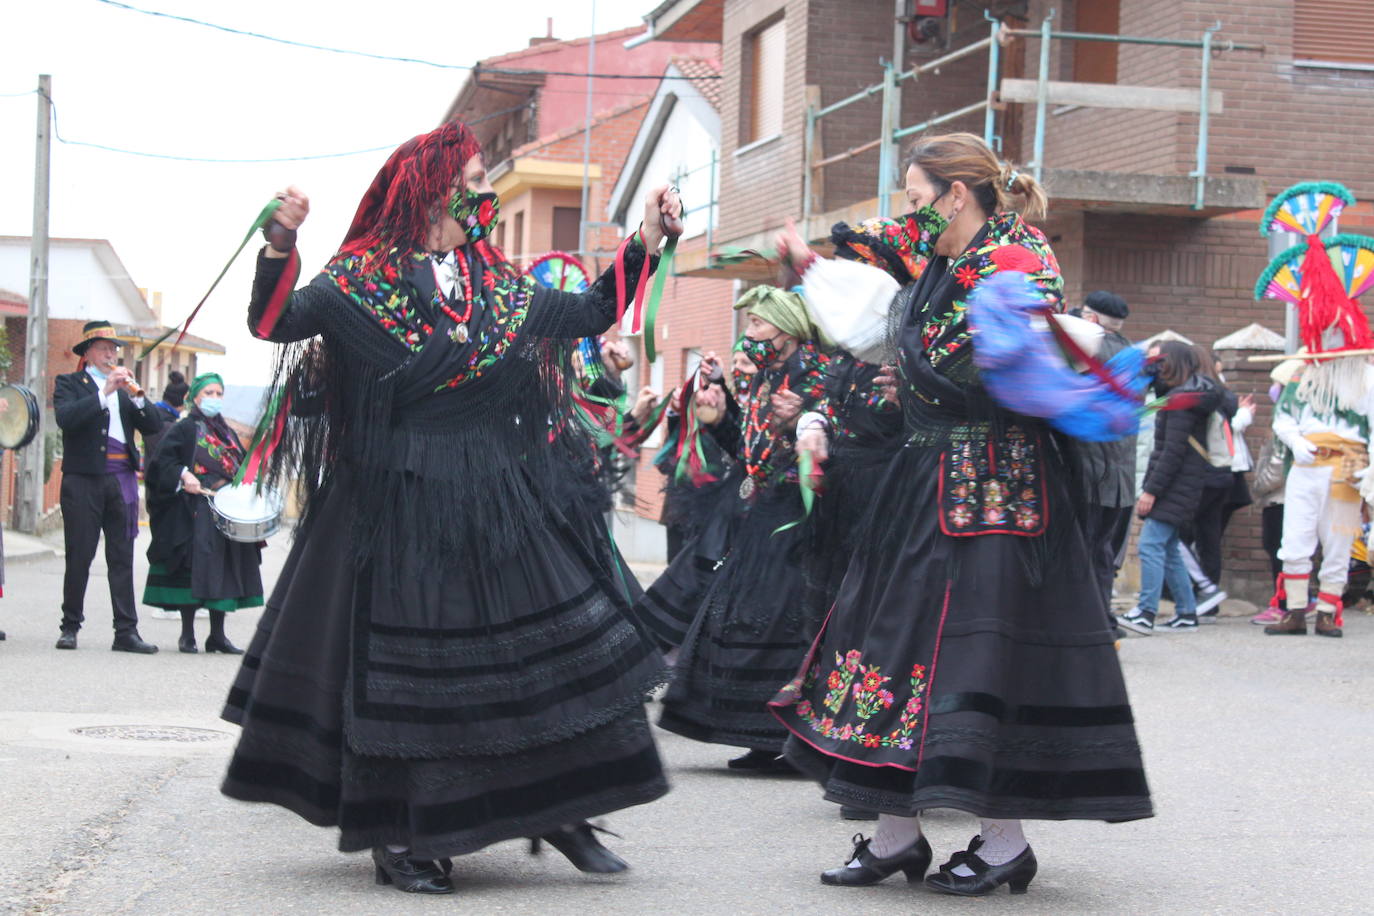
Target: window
(501,236)
(567,224)
(1332,32)
(765,55)
(1095,61)
(517,242)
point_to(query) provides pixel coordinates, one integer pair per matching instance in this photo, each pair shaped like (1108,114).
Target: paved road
(1260,752)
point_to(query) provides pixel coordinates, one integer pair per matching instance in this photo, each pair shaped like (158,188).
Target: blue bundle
(1025,371)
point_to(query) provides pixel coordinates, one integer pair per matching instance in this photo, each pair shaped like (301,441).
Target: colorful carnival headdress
(1322,278)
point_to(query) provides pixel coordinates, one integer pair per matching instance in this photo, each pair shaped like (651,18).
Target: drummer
(191,564)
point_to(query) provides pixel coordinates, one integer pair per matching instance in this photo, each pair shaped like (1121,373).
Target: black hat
(93,331)
(1105,303)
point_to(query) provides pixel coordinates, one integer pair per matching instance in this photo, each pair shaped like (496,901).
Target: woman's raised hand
(281,231)
(661,205)
(792,248)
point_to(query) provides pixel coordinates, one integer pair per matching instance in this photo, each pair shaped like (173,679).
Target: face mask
(762,353)
(926,224)
(476,213)
(211,406)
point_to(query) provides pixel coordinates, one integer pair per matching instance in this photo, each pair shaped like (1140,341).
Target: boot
(1294,623)
(1326,625)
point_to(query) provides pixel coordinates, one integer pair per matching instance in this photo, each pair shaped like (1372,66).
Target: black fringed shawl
(461,451)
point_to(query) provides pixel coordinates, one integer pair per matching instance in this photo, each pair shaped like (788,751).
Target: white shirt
(111,403)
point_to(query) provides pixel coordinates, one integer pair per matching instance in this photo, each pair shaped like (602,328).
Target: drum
(243,514)
(18,416)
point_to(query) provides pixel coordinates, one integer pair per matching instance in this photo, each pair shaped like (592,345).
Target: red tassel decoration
(1324,303)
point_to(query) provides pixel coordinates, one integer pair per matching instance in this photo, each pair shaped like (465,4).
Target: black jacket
(1109,467)
(1177,471)
(85,423)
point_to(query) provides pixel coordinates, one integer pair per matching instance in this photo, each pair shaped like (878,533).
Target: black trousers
(1104,531)
(92,503)
(1271,536)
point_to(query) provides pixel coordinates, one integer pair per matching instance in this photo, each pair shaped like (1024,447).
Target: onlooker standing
(1108,467)
(1224,490)
(1173,486)
(1267,489)
(168,409)
(98,407)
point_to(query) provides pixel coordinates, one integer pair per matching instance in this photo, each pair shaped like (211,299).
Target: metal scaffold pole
(29,501)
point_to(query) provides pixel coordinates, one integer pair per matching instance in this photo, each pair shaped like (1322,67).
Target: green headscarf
(784,310)
(198,385)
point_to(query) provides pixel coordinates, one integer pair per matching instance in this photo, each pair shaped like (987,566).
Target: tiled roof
(512,57)
(704,75)
(597,120)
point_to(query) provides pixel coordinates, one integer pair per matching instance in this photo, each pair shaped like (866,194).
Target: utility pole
(587,143)
(29,501)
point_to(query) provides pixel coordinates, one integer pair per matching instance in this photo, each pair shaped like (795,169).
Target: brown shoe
(1326,625)
(1294,623)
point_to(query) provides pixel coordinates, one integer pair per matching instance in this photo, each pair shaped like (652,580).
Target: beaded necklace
(755,427)
(460,333)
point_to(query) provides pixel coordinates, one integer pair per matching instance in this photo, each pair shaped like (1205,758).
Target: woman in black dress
(966,663)
(448,660)
(191,564)
(737,602)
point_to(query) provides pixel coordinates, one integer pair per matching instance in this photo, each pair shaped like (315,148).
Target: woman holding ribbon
(967,662)
(753,610)
(448,659)
(191,564)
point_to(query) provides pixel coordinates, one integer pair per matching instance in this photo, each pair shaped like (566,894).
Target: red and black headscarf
(394,213)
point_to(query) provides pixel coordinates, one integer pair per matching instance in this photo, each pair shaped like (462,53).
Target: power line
(178,158)
(15,95)
(388,57)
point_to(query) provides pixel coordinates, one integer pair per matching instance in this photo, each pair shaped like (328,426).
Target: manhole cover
(176,733)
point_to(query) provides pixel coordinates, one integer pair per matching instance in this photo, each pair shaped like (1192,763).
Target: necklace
(755,427)
(460,333)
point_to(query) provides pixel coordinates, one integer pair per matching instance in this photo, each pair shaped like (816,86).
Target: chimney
(548,37)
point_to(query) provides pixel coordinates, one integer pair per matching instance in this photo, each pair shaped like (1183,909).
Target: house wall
(81,286)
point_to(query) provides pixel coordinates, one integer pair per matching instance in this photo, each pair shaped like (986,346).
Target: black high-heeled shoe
(1016,874)
(582,848)
(411,875)
(221,644)
(914,860)
(187,645)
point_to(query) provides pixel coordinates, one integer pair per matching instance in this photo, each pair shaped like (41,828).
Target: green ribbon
(805,476)
(665,267)
(263,218)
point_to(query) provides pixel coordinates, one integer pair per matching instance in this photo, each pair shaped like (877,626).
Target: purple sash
(119,463)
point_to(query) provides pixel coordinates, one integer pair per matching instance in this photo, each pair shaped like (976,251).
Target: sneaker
(1181,624)
(1209,601)
(1270,615)
(1137,621)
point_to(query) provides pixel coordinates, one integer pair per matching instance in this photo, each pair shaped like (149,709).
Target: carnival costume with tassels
(966,661)
(1324,415)
(738,600)
(448,659)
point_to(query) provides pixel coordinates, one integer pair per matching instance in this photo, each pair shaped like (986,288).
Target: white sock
(895,834)
(396,850)
(1002,842)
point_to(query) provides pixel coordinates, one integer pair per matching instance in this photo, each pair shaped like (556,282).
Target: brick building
(529,110)
(1134,207)
(678,141)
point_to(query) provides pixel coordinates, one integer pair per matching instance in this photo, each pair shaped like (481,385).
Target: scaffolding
(1039,92)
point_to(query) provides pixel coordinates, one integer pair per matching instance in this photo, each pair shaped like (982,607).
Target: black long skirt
(973,673)
(522,715)
(750,627)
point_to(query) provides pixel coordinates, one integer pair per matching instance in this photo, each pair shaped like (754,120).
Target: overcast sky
(129,80)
